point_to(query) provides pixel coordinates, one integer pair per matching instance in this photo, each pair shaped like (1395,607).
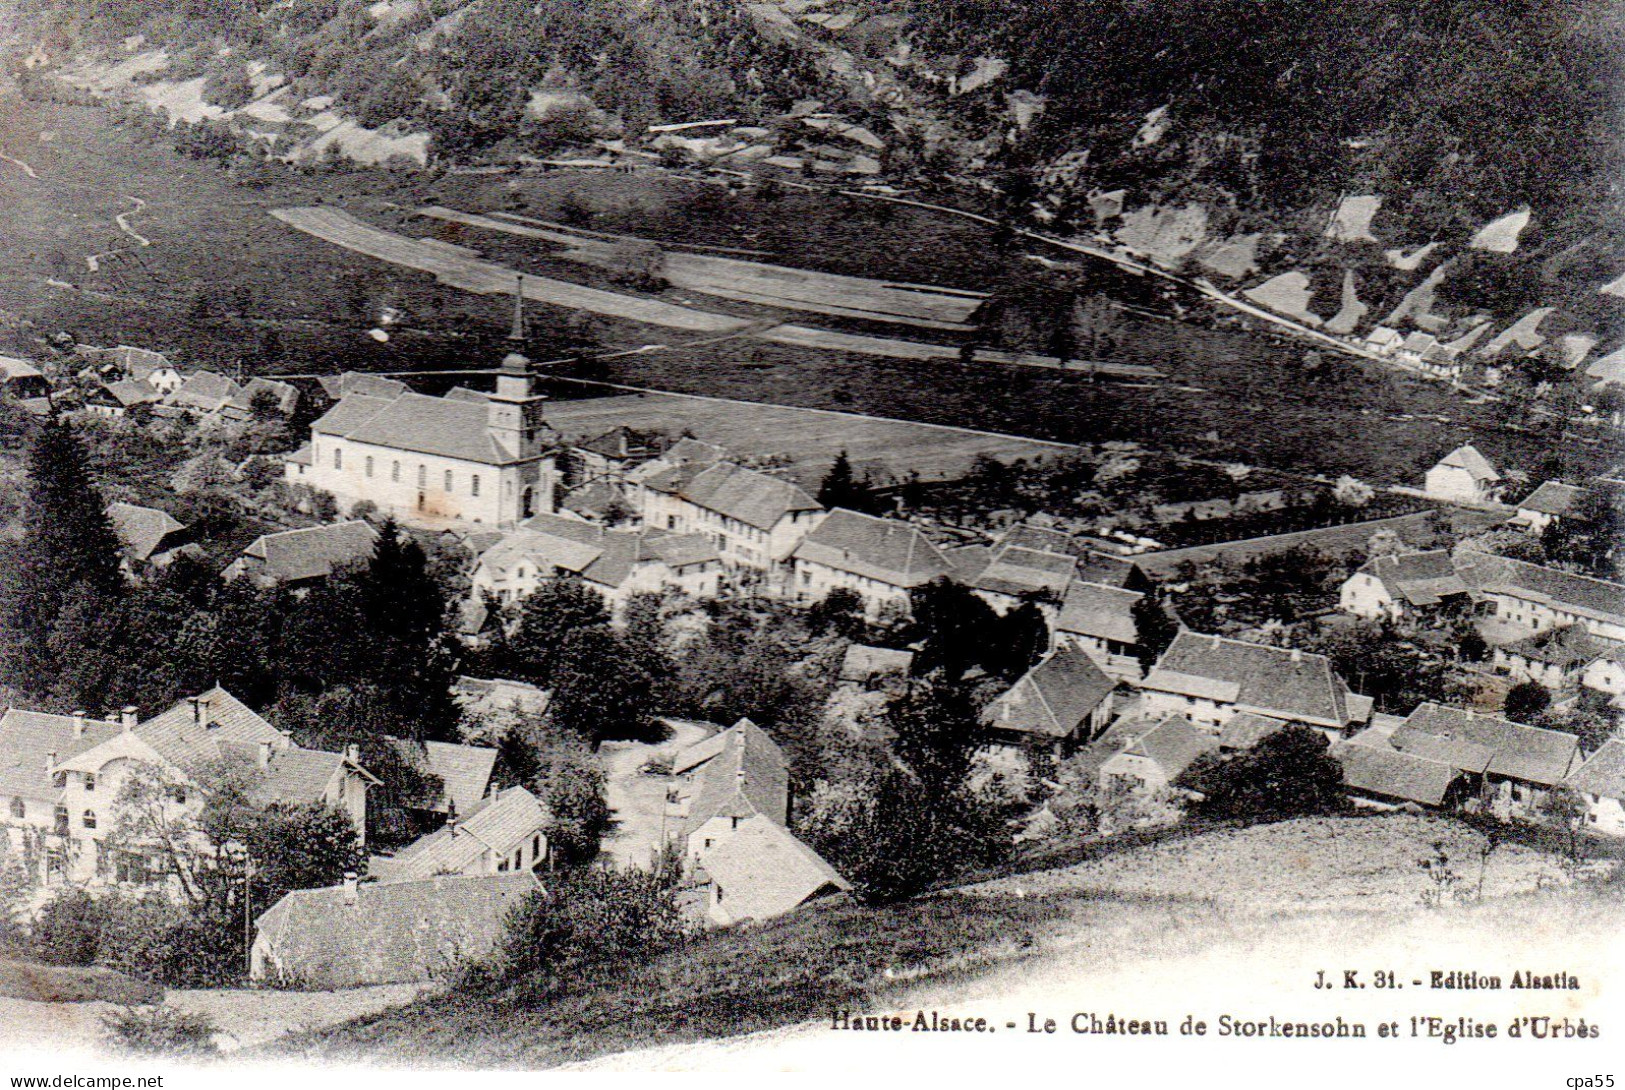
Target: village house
(1006,575)
(610,456)
(1212,679)
(492,705)
(61,776)
(654,488)
(503,832)
(114,400)
(1548,504)
(464,774)
(281,398)
(1099,620)
(1380,777)
(1061,703)
(140,365)
(1606,672)
(615,563)
(1155,759)
(1509,766)
(733,775)
(1463,476)
(1394,588)
(761,871)
(365,934)
(204,393)
(1556,658)
(1600,783)
(298,558)
(148,537)
(20,380)
(1528,598)
(754,520)
(436,461)
(878,559)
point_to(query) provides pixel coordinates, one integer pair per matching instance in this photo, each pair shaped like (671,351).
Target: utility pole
(517,333)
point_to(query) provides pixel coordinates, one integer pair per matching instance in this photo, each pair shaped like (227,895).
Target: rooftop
(1276,681)
(312,553)
(746,495)
(886,550)
(764,871)
(1054,699)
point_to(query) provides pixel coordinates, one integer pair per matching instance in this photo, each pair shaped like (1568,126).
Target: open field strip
(755,282)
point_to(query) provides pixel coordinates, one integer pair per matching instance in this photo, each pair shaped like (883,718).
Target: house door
(527,503)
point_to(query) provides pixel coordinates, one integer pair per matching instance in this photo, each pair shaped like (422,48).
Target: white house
(726,779)
(1211,679)
(615,563)
(754,520)
(1395,587)
(1099,620)
(62,776)
(503,832)
(1463,476)
(1062,702)
(1156,759)
(296,558)
(654,488)
(1601,784)
(1510,766)
(1549,503)
(1536,598)
(436,461)
(879,559)
(761,871)
(1556,658)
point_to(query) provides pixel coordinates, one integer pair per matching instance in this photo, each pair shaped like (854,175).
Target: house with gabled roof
(1463,476)
(1099,620)
(723,780)
(147,536)
(1550,503)
(1407,585)
(754,519)
(1600,783)
(1212,679)
(1155,759)
(761,871)
(283,397)
(654,488)
(204,393)
(1061,703)
(1555,658)
(368,933)
(503,832)
(436,461)
(297,558)
(879,559)
(1535,598)
(463,774)
(616,563)
(612,454)
(1379,776)
(1007,574)
(1512,766)
(63,774)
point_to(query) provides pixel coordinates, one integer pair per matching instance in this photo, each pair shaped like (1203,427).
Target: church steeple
(514,411)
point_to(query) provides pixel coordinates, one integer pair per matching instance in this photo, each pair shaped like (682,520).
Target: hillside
(1428,164)
(1216,893)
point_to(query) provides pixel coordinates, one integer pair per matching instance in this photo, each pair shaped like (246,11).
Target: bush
(588,921)
(1288,774)
(69,929)
(160,1030)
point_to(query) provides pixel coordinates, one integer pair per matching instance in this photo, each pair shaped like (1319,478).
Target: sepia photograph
(910,537)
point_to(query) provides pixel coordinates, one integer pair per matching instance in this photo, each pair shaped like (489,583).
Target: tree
(586,922)
(547,617)
(1018,641)
(1525,701)
(951,625)
(67,548)
(841,611)
(1287,774)
(1154,627)
(841,488)
(409,659)
(601,687)
(1588,535)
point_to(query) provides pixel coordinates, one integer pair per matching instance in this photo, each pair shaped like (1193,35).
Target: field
(1096,929)
(809,438)
(224,281)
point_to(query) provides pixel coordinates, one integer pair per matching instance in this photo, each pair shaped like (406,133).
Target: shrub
(160,1030)
(588,921)
(68,930)
(1287,774)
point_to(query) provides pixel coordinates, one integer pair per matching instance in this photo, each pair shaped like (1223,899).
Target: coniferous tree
(68,552)
(1154,626)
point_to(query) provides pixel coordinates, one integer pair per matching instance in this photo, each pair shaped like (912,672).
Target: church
(468,457)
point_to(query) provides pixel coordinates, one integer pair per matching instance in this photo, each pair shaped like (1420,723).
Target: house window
(448,480)
(17,809)
(59,820)
(89,819)
(90,781)
(474,485)
(395,471)
(368,469)
(536,846)
(338,459)
(423,479)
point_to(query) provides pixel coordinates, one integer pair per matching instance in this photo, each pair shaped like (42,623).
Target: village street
(638,800)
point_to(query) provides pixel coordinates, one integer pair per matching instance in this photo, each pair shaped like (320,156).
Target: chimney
(265,755)
(350,887)
(126,716)
(200,710)
(79,724)
(451,822)
(352,753)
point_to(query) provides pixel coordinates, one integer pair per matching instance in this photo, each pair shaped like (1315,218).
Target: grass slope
(1188,891)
